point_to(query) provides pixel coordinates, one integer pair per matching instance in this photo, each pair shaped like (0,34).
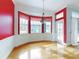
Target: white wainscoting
(25,38)
(7,44)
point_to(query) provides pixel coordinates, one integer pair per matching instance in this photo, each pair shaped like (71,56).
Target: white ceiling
(49,4)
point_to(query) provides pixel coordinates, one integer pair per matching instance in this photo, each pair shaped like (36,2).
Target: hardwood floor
(44,50)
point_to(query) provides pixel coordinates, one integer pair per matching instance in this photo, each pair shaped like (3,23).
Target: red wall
(6,18)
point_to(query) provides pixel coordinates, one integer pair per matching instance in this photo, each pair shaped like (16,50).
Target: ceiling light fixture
(43,19)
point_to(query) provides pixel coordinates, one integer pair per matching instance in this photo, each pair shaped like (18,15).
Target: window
(47,27)
(23,25)
(60,15)
(36,25)
(33,24)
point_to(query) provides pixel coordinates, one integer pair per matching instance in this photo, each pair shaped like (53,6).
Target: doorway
(61,28)
(60,31)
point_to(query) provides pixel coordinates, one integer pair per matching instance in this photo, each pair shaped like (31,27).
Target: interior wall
(72,16)
(75,37)
(74,31)
(6,18)
(69,19)
(6,28)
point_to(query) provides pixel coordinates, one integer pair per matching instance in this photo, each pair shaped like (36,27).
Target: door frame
(64,19)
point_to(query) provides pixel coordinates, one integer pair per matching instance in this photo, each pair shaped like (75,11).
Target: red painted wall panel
(6,18)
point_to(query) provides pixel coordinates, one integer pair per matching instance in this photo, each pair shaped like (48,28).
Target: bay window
(33,24)
(36,25)
(47,25)
(23,25)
